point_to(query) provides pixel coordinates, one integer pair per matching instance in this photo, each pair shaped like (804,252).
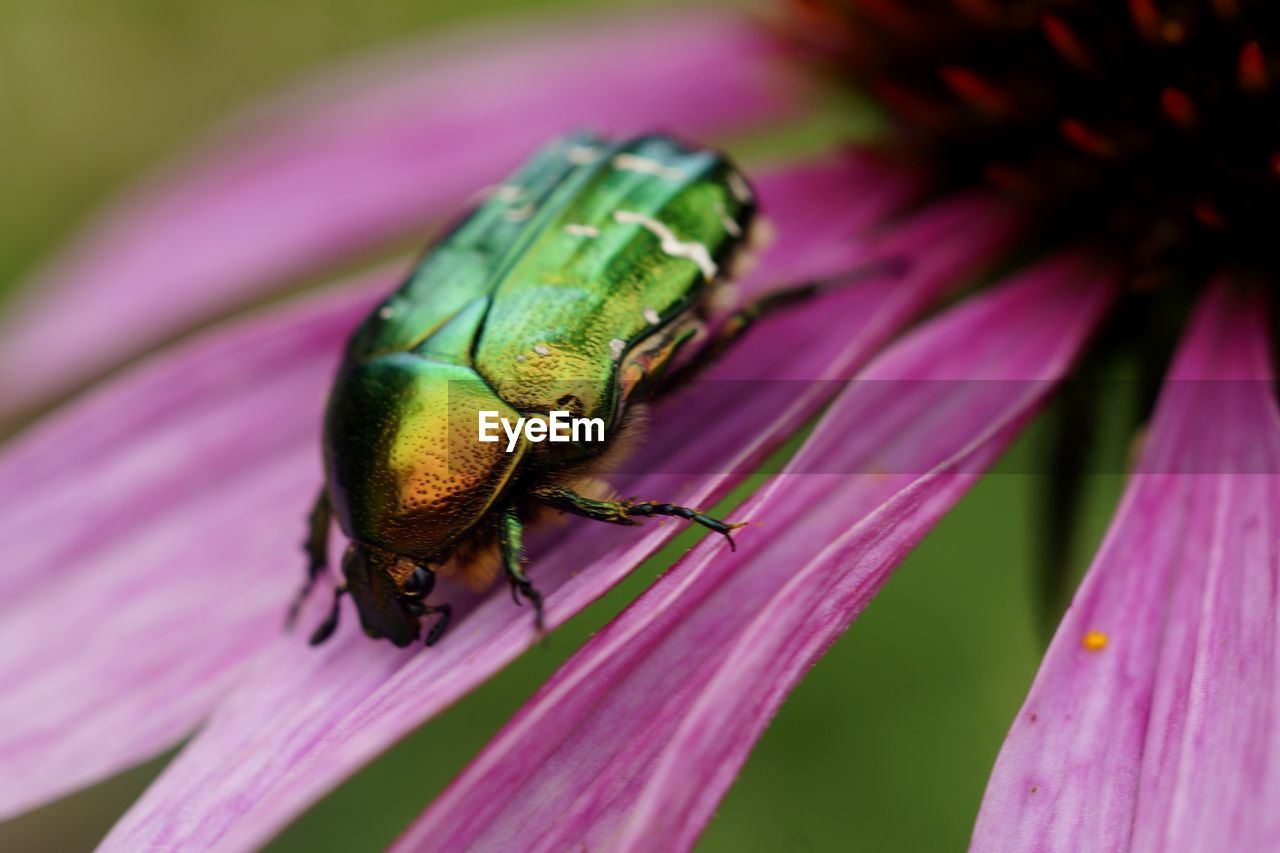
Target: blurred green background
(887,744)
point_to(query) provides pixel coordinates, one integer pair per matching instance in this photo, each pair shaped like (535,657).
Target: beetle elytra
(580,284)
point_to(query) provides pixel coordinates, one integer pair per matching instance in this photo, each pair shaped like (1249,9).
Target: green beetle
(582,285)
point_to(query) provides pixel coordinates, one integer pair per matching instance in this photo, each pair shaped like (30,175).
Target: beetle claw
(436,631)
(539,623)
(323,632)
(531,594)
(733,546)
(326,628)
(535,598)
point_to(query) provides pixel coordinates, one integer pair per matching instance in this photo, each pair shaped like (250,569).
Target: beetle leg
(316,547)
(737,324)
(326,628)
(656,375)
(418,587)
(509,538)
(625,512)
(715,525)
(436,631)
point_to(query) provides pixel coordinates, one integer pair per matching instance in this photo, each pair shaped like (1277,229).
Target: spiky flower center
(1153,122)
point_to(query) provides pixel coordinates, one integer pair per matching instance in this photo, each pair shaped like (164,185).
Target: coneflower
(1119,160)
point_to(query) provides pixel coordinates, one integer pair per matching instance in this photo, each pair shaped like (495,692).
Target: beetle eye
(419,584)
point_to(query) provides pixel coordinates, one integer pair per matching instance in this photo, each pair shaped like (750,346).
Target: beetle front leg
(509,542)
(443,612)
(420,585)
(625,512)
(316,547)
(737,324)
(326,628)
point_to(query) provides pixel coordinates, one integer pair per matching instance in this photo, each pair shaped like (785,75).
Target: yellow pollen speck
(1094,641)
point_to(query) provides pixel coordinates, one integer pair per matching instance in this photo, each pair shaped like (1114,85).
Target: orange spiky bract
(1154,124)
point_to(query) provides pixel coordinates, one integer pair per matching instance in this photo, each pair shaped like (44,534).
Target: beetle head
(388,590)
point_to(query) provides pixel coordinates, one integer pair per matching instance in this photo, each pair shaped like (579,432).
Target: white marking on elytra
(386,312)
(582,154)
(542,349)
(509,193)
(617,347)
(652,317)
(519,214)
(738,186)
(730,224)
(647,166)
(520,356)
(692,250)
(581,230)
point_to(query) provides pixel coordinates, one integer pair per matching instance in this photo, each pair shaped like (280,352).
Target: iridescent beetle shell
(572,287)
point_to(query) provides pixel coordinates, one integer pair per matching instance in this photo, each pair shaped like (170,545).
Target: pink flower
(153,519)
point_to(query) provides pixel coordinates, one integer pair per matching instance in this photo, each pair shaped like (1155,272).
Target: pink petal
(633,743)
(305,718)
(162,513)
(145,554)
(369,154)
(1166,738)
